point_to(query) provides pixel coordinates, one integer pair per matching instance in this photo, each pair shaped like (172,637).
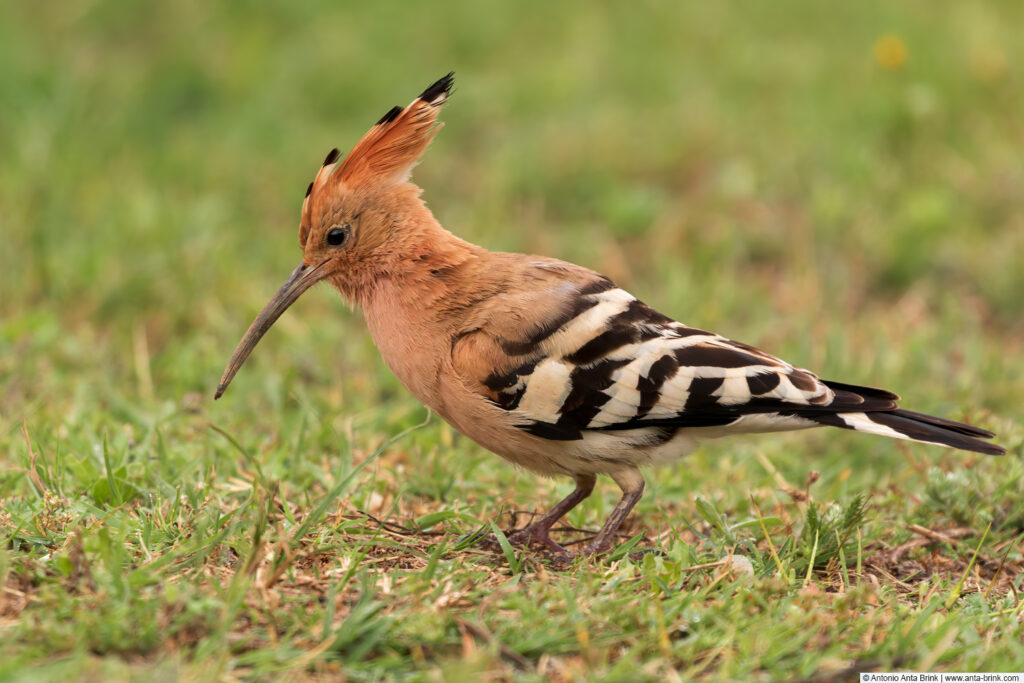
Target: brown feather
(387,153)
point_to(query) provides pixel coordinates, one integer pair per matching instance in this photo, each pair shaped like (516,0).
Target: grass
(840,186)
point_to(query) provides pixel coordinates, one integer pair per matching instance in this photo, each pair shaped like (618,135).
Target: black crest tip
(442,87)
(309,190)
(391,115)
(332,156)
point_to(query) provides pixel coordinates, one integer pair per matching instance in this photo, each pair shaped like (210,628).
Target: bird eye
(337,236)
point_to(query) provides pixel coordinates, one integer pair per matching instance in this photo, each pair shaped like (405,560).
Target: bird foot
(560,557)
(539,535)
(531,535)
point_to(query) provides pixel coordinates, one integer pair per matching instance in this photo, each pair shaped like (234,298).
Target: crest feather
(388,151)
(325,172)
(386,154)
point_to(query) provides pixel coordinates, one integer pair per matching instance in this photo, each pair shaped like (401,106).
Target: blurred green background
(840,184)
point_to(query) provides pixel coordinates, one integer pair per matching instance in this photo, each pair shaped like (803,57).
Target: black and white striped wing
(617,364)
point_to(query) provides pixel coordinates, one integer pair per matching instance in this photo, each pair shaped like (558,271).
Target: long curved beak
(301,279)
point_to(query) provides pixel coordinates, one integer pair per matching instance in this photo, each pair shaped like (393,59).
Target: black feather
(518,348)
(762,383)
(444,85)
(867,392)
(920,427)
(391,115)
(332,156)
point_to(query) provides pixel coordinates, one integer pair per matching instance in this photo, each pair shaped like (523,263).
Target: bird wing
(597,358)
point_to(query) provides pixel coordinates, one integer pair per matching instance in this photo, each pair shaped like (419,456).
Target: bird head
(354,212)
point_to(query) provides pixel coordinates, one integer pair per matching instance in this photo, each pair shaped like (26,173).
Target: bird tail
(910,425)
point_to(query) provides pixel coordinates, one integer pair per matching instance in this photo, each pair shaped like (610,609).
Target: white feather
(862,423)
(546,390)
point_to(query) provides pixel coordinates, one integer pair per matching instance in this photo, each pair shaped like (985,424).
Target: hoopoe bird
(548,364)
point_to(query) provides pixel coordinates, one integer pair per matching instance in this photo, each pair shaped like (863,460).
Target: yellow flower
(890,52)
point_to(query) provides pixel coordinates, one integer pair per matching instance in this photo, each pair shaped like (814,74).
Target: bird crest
(384,157)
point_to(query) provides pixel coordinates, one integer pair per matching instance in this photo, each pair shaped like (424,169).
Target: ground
(838,185)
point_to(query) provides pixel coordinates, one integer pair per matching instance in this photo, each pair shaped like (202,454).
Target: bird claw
(560,557)
(562,561)
(540,536)
(531,535)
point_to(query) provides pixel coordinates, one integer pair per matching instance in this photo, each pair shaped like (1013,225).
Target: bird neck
(423,297)
(436,264)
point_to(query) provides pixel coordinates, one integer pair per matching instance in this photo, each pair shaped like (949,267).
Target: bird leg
(632,484)
(538,532)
